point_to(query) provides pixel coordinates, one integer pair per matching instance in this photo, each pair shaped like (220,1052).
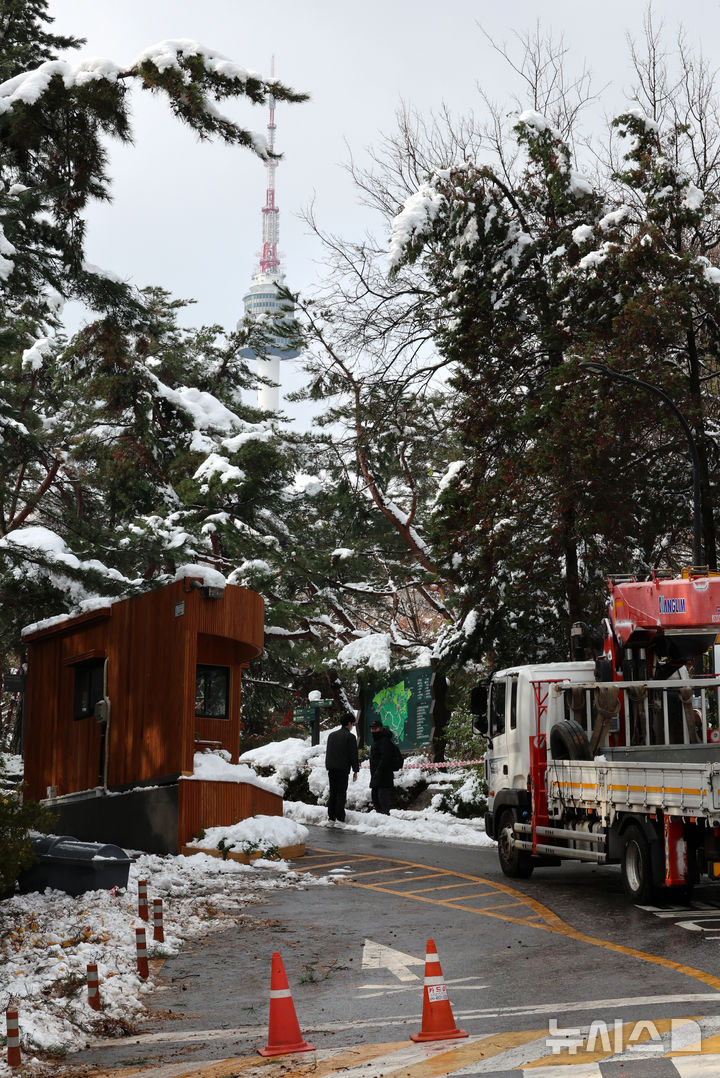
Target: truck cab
(513,717)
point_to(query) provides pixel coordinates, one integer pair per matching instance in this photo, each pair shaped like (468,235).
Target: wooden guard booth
(118,701)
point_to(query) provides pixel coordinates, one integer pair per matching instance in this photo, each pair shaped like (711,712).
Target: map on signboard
(392,706)
(404,707)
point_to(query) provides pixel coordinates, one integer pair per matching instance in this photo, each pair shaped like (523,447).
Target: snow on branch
(419,211)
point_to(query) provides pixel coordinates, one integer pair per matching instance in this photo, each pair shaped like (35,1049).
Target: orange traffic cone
(284,1035)
(438,1023)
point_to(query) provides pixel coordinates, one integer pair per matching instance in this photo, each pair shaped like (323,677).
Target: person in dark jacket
(341,757)
(381,766)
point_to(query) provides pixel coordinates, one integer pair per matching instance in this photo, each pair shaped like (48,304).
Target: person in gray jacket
(341,757)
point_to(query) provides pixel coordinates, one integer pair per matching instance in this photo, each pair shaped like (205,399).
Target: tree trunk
(572,571)
(438,715)
(696,422)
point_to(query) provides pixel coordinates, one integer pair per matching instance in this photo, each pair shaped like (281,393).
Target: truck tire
(568,741)
(637,865)
(515,863)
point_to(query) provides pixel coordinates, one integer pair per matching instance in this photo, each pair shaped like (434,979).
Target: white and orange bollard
(93,986)
(438,1023)
(142,900)
(13,1039)
(141,950)
(158,927)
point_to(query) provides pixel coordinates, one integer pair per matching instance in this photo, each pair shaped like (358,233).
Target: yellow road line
(341,1061)
(549,921)
(376,871)
(414,879)
(464,1055)
(448,887)
(324,864)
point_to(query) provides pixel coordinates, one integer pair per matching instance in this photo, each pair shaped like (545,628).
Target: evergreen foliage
(126,449)
(469,486)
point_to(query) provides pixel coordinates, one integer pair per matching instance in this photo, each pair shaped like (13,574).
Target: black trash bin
(67,864)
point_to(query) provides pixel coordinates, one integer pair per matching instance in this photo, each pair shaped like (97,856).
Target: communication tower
(263,298)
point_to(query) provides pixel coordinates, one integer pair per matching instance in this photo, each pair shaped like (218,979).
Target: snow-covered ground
(47,941)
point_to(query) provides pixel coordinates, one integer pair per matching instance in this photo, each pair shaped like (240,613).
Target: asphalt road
(564,950)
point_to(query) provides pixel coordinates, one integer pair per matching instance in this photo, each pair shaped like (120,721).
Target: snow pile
(259,832)
(289,759)
(215,767)
(424,826)
(286,758)
(47,941)
(209,576)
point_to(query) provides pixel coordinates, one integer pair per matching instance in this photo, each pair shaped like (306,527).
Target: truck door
(504,733)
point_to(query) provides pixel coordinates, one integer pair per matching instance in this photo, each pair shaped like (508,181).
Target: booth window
(88,687)
(212,692)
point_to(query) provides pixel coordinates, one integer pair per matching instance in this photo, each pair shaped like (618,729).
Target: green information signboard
(403,705)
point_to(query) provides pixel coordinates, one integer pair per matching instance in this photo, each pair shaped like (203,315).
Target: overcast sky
(186,215)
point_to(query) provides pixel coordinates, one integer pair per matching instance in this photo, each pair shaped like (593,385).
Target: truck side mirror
(479,700)
(480,724)
(478,709)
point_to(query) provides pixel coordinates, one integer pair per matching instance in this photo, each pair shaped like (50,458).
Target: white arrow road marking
(376,956)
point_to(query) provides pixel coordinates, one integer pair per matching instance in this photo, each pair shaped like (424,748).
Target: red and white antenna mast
(270,260)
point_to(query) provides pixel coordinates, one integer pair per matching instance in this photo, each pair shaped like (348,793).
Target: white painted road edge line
(180,1036)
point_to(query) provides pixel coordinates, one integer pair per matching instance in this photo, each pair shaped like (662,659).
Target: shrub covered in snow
(16,821)
(299,768)
(267,835)
(466,798)
(461,742)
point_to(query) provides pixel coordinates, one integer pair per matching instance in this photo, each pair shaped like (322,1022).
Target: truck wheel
(515,863)
(636,865)
(568,741)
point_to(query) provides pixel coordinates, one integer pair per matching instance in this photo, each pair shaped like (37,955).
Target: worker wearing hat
(381,766)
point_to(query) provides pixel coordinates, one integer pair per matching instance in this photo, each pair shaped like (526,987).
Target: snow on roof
(208,575)
(211,766)
(97,602)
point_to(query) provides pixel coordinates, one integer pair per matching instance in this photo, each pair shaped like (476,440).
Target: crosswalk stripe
(698,1066)
(570,1070)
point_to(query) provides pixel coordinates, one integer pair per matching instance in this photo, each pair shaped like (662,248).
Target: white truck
(613,758)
